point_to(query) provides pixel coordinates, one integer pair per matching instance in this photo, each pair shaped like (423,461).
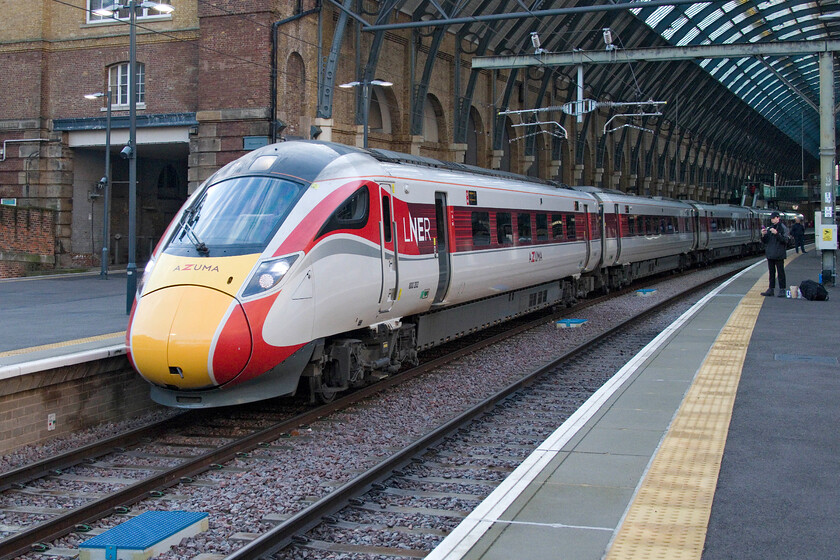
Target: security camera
(102,182)
(125,153)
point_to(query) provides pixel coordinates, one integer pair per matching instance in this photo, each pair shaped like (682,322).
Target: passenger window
(480,228)
(557,227)
(504,231)
(352,214)
(523,225)
(542,227)
(572,228)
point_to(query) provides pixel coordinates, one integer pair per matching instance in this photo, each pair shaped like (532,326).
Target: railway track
(192,458)
(419,494)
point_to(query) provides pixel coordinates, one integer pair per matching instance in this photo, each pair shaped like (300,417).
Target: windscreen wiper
(190,217)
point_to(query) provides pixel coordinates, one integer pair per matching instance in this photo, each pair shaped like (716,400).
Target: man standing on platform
(797,230)
(775,238)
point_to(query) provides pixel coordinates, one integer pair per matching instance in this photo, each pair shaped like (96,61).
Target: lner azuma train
(323,266)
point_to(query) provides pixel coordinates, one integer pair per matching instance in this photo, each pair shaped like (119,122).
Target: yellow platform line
(61,344)
(670,512)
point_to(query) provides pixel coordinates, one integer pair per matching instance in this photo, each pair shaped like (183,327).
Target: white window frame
(122,15)
(118,83)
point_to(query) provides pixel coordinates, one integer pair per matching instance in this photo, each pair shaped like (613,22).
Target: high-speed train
(320,266)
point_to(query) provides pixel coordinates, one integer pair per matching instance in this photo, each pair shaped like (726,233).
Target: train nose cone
(189,337)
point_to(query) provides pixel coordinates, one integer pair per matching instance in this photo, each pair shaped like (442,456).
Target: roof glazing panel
(692,33)
(752,21)
(657,16)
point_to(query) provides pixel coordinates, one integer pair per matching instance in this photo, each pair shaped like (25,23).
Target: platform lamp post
(366,100)
(130,151)
(105,182)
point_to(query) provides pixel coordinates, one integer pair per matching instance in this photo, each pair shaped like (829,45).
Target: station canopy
(765,104)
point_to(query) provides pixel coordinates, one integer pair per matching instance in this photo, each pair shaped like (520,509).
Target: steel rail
(50,465)
(59,526)
(282,535)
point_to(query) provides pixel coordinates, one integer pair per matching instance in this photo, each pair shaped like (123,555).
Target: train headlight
(268,274)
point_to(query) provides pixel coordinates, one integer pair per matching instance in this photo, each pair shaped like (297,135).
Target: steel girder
(326,86)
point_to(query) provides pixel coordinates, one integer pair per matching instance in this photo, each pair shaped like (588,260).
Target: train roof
(591,189)
(301,159)
(616,196)
(306,159)
(389,156)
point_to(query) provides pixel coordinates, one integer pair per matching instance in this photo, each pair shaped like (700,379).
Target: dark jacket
(775,244)
(797,230)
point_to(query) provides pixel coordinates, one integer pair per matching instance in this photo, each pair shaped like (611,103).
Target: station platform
(718,440)
(51,321)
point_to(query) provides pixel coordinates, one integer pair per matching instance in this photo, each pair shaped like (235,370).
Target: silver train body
(317,266)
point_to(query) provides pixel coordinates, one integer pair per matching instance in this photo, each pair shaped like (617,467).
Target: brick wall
(27,240)
(226,82)
(21,98)
(80,396)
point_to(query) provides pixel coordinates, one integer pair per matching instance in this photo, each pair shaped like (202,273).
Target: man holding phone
(774,237)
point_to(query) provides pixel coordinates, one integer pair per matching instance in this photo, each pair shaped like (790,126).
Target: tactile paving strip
(670,512)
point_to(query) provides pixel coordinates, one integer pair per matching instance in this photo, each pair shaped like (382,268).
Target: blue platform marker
(570,323)
(144,536)
(645,292)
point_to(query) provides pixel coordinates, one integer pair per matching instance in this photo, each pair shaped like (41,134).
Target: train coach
(323,266)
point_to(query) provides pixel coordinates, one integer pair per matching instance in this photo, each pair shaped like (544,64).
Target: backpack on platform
(813,291)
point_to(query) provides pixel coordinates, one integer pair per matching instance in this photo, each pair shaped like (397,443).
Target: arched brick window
(294,102)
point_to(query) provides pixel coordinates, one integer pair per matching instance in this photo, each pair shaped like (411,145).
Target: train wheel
(320,392)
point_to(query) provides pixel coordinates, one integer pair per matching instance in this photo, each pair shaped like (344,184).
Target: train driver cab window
(504,230)
(480,229)
(234,217)
(523,228)
(351,214)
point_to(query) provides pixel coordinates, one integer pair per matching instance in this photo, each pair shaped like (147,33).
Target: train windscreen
(234,217)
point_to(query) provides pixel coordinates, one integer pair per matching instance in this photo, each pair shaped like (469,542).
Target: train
(320,267)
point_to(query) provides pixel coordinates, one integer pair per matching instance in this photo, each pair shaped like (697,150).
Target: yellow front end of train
(188,330)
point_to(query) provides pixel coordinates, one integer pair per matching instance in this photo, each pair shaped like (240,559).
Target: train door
(442,246)
(388,250)
(605,229)
(695,221)
(617,234)
(587,235)
(704,229)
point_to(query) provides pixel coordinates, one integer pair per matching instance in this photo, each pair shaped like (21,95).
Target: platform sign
(8,201)
(828,237)
(254,142)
